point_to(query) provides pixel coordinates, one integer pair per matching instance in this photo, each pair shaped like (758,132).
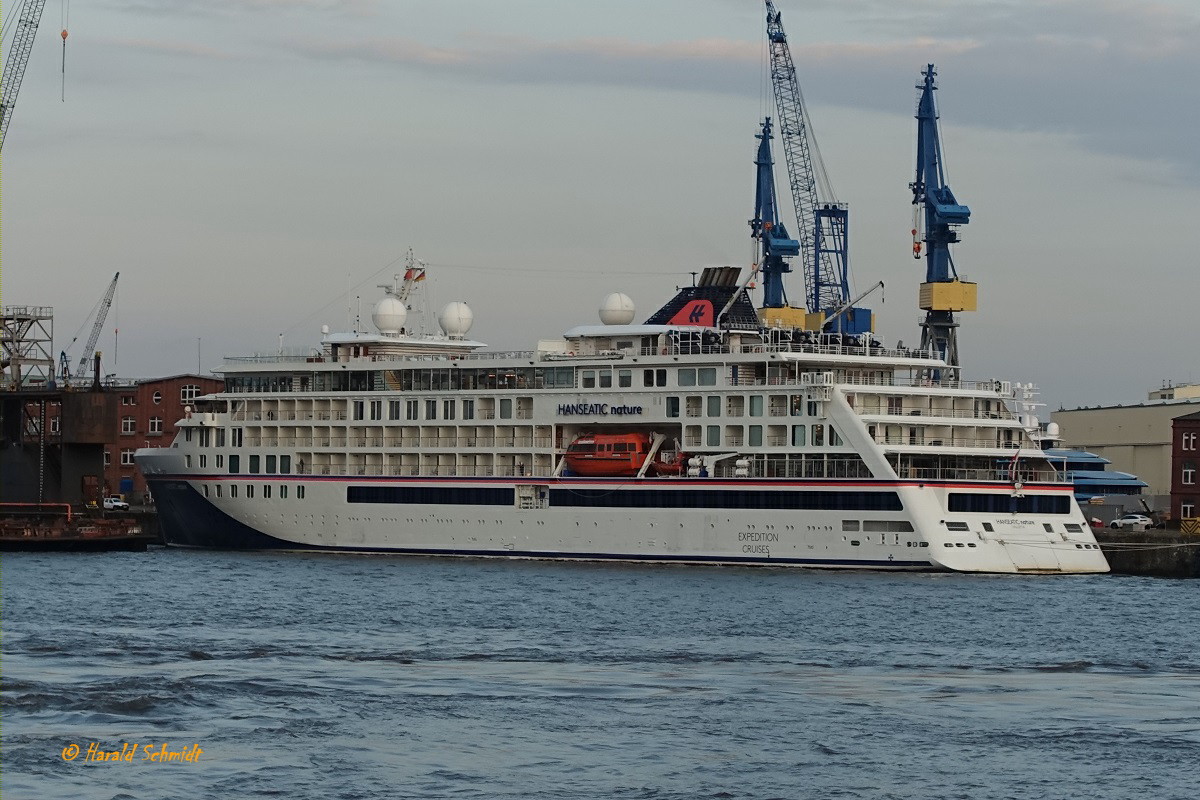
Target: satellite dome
(389,316)
(456,319)
(1052,429)
(617,309)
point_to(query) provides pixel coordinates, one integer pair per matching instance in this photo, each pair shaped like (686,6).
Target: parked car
(115,504)
(1133,522)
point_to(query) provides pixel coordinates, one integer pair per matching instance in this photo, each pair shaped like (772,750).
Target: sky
(255,168)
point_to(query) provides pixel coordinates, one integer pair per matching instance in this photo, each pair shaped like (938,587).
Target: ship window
(660,377)
(235,437)
(1049,528)
(283,492)
(797,436)
(218,488)
(300,492)
(203,461)
(818,435)
(376,409)
(235,464)
(1008,504)
(254,465)
(206,490)
(672,406)
(647,377)
(412,409)
(267,491)
(756,436)
(271,465)
(714,406)
(606,379)
(687,377)
(624,378)
(895,405)
(357,406)
(250,490)
(448,409)
(393,409)
(987,526)
(505,408)
(797,405)
(285,464)
(233,490)
(812,408)
(756,405)
(431,409)
(707,376)
(714,435)
(220,436)
(850,525)
(588,380)
(187,434)
(888,526)
(468,409)
(834,439)
(957,526)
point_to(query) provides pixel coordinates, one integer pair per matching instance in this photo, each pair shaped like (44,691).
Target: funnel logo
(695,312)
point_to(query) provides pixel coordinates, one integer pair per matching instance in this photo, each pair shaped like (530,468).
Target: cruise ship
(703,435)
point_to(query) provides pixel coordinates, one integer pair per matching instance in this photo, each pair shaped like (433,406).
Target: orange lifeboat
(616,455)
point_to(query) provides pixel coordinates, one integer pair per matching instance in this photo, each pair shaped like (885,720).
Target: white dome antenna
(389,316)
(456,319)
(617,309)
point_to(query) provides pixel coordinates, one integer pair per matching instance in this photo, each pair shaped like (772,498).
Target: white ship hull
(706,522)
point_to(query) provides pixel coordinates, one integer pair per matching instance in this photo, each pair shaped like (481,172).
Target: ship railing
(417,471)
(951,441)
(498,355)
(945,413)
(968,474)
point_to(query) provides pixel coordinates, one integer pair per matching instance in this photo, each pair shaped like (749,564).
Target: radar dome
(456,319)
(389,315)
(617,309)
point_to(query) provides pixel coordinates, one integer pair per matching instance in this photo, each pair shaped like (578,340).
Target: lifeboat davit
(618,455)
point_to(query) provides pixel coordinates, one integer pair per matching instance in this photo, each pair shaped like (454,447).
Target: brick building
(1185,458)
(146,415)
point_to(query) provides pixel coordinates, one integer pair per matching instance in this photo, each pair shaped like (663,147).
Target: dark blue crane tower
(942,293)
(821,226)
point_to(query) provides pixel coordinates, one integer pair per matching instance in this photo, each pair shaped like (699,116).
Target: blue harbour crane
(775,243)
(942,293)
(821,225)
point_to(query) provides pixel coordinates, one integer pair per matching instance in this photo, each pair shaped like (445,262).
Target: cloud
(172,48)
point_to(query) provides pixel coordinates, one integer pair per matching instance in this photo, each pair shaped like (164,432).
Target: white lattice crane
(101,315)
(28,18)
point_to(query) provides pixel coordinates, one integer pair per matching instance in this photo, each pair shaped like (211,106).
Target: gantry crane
(18,58)
(822,225)
(942,293)
(101,314)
